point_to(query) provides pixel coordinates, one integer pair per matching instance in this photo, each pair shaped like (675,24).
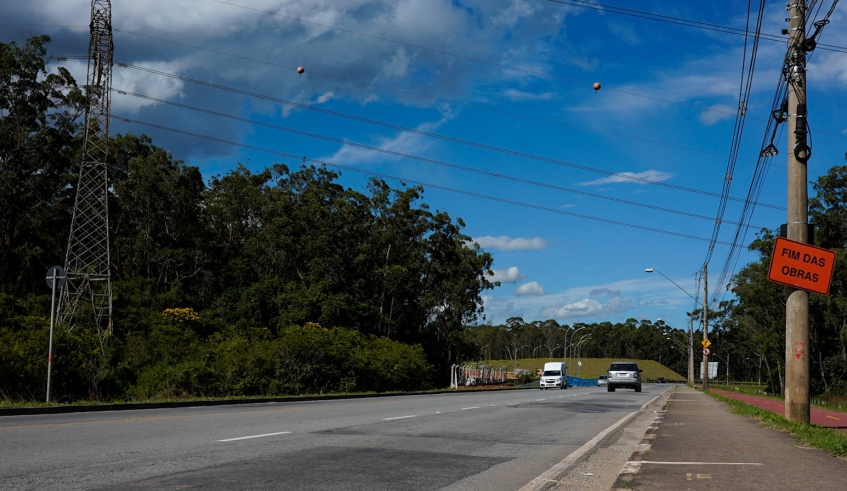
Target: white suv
(624,374)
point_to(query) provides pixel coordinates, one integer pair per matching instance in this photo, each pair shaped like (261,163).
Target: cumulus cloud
(506,243)
(631,177)
(508,275)
(589,307)
(531,288)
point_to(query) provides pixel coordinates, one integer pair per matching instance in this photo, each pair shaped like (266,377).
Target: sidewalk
(820,417)
(697,444)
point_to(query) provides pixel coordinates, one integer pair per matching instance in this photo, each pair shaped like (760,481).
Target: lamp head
(648,270)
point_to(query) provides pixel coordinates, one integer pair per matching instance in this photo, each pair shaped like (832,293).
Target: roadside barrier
(581,382)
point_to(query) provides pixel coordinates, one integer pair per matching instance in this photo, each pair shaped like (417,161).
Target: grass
(592,367)
(829,439)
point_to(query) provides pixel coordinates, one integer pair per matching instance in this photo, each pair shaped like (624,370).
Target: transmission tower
(87,263)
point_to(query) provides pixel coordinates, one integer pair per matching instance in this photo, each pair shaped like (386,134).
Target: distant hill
(591,367)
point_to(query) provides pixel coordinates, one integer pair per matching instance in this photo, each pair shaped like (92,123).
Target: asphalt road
(497,440)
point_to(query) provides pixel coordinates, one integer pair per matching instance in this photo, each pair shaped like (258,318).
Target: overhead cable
(422,183)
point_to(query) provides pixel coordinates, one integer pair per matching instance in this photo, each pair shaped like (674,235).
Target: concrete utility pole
(690,351)
(797,303)
(705,367)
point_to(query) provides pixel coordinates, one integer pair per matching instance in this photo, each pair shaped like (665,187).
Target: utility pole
(705,367)
(797,303)
(690,351)
(88,261)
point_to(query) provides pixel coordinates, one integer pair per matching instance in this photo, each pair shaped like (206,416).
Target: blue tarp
(581,382)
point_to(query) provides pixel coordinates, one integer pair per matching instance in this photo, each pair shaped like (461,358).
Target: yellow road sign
(706,343)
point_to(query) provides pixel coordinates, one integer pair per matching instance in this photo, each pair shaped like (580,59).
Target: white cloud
(631,177)
(508,275)
(589,307)
(408,143)
(506,243)
(717,113)
(531,288)
(625,32)
(326,96)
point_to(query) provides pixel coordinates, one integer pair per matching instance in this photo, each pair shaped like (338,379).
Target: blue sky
(511,74)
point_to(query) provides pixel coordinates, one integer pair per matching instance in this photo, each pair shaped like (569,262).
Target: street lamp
(689,349)
(690,332)
(585,337)
(568,344)
(726,360)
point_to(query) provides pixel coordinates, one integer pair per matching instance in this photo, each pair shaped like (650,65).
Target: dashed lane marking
(694,463)
(255,436)
(472,407)
(400,417)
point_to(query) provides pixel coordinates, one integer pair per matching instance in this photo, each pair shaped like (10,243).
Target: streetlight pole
(568,344)
(690,329)
(584,338)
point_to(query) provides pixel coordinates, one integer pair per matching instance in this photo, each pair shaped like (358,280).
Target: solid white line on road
(254,436)
(400,417)
(540,399)
(694,463)
(472,407)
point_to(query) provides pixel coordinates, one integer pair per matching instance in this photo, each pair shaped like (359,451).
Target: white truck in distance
(553,376)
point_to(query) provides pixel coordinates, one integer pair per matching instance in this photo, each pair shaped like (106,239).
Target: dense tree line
(269,282)
(632,339)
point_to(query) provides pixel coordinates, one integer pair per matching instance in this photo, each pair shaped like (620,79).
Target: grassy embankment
(591,367)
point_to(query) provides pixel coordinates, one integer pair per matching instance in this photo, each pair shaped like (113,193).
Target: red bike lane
(820,417)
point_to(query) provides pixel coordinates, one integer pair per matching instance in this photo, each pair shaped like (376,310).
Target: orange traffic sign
(802,266)
(706,343)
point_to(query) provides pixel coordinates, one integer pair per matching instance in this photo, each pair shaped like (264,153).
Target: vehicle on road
(661,380)
(602,380)
(553,376)
(624,375)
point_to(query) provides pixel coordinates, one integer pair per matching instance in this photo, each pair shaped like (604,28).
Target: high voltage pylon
(88,261)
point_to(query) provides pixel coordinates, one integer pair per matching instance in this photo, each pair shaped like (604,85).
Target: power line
(460,56)
(425,184)
(433,135)
(497,175)
(680,21)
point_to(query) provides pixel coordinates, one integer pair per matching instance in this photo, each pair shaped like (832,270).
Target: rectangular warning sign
(802,266)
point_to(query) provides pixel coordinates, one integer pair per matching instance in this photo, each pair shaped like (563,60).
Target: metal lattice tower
(88,261)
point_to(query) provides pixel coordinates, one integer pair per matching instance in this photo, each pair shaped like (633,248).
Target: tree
(38,144)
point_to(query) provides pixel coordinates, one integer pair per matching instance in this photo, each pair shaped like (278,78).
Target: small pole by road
(55,280)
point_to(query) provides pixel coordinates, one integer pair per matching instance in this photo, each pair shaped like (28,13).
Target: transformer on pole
(88,261)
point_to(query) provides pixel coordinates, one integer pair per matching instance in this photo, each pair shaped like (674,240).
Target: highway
(494,440)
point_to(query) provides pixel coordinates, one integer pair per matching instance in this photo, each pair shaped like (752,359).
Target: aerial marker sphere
(596,85)
(300,70)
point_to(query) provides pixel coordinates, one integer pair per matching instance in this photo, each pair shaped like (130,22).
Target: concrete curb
(29,411)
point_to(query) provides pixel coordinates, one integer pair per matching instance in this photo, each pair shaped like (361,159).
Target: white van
(553,376)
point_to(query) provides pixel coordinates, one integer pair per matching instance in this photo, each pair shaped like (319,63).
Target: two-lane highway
(478,440)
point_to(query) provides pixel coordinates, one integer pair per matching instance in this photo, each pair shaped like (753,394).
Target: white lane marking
(472,407)
(400,417)
(437,412)
(697,463)
(254,436)
(540,399)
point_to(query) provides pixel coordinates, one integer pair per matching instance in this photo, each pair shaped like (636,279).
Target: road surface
(495,440)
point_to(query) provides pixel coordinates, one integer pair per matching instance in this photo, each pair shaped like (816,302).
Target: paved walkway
(696,443)
(820,417)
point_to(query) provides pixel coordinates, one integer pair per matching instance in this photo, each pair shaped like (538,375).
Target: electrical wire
(433,135)
(404,180)
(679,21)
(497,175)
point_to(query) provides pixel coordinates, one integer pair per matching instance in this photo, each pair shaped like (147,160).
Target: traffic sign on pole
(801,266)
(707,351)
(706,343)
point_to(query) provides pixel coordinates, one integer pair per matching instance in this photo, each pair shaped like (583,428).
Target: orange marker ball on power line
(300,70)
(597,86)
